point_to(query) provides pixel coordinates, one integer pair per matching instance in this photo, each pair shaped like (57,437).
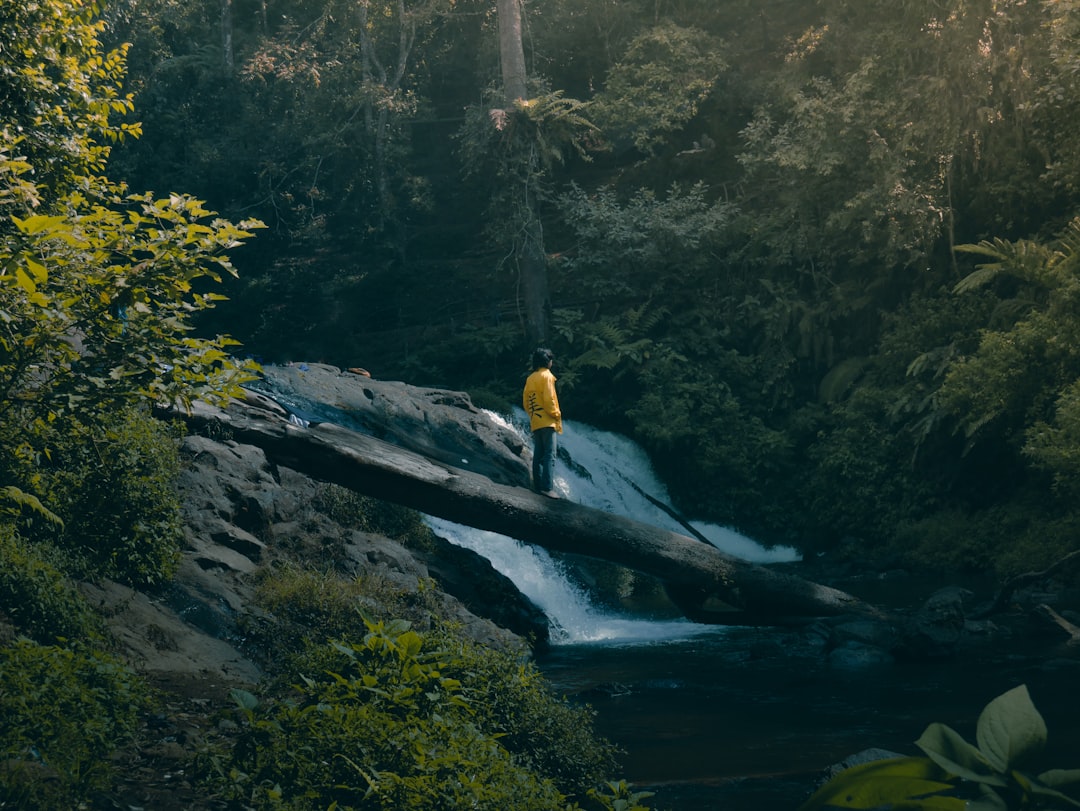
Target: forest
(815,256)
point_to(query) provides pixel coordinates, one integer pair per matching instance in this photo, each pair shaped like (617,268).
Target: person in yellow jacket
(545,420)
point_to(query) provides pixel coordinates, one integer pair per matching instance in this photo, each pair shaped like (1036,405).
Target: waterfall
(598,469)
(611,473)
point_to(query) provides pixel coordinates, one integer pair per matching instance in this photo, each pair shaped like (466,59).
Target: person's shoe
(549,493)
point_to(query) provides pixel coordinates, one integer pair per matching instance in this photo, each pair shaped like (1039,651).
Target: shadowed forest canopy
(820,259)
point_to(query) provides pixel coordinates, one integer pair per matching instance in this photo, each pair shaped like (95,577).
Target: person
(545,420)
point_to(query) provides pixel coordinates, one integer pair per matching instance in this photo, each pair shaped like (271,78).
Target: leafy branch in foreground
(992,775)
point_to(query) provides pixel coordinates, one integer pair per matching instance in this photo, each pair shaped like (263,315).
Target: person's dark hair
(542,357)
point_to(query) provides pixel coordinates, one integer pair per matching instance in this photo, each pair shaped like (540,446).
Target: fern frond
(598,358)
(1070,239)
(609,334)
(979,278)
(13,500)
(1025,260)
(840,378)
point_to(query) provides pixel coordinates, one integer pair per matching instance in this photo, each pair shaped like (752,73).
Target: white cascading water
(611,473)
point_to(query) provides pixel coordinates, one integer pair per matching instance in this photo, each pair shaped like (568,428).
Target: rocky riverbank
(245,515)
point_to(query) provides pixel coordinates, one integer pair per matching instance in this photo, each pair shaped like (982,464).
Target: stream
(748,719)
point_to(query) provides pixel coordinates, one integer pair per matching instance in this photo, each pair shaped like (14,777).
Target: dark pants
(543,461)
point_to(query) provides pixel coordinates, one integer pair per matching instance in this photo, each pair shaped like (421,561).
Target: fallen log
(1016,582)
(1061,622)
(705,583)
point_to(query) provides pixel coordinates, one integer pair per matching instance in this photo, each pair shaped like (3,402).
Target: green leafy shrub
(375,724)
(36,596)
(306,607)
(510,698)
(62,713)
(995,774)
(114,487)
(619,796)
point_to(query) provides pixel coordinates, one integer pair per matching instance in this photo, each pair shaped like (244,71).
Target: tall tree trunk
(384,85)
(227,37)
(531,258)
(511,51)
(534,280)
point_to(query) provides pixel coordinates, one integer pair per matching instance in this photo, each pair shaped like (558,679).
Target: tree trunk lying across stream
(705,583)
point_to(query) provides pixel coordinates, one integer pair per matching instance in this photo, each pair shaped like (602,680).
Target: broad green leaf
(952,753)
(1043,791)
(1045,785)
(24,281)
(894,782)
(244,699)
(40,272)
(411,643)
(38,223)
(1010,730)
(989,801)
(1060,777)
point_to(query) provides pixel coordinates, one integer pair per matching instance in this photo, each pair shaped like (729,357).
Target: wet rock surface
(438,423)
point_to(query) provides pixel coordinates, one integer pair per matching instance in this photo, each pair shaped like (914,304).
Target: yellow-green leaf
(889,782)
(24,281)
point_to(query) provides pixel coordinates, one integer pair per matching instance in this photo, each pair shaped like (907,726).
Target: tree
(658,85)
(532,262)
(98,286)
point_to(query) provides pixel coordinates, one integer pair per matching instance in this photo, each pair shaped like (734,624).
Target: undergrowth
(393,719)
(63,712)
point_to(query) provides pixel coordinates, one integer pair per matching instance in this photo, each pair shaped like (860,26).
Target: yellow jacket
(540,401)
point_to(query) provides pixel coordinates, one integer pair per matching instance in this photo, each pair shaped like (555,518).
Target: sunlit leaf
(891,783)
(39,271)
(24,281)
(38,223)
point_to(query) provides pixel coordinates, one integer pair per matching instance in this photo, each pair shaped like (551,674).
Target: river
(748,719)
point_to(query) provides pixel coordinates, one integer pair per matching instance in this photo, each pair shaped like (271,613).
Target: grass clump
(303,606)
(350,509)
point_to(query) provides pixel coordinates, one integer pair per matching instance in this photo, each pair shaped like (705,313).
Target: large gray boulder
(439,424)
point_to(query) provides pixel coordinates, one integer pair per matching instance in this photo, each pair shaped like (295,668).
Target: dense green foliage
(113,486)
(820,259)
(399,720)
(63,712)
(755,252)
(98,289)
(35,594)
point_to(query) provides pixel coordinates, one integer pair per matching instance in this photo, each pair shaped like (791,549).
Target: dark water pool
(745,719)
